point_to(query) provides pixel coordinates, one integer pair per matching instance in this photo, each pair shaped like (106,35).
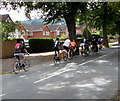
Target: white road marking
(22,76)
(2,95)
(63,70)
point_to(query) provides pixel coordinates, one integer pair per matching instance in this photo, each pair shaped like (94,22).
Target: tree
(7,29)
(54,11)
(87,34)
(103,16)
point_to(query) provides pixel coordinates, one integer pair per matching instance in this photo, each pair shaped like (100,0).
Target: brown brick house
(80,29)
(42,31)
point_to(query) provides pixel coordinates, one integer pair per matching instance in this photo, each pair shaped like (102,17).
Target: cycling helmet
(21,42)
(57,38)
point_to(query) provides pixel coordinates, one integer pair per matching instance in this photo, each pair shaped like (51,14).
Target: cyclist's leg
(65,49)
(23,59)
(68,52)
(55,52)
(58,53)
(96,47)
(17,57)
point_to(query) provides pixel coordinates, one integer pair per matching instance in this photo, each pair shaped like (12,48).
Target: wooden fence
(7,48)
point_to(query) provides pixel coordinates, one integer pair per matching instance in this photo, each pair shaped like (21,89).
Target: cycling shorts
(66,48)
(56,49)
(19,55)
(82,44)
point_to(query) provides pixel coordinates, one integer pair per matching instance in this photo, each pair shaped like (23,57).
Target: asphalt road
(93,77)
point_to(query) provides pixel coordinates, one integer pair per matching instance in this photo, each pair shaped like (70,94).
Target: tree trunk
(105,38)
(70,21)
(71,25)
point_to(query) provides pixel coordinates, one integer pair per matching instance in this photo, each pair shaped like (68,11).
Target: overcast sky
(19,15)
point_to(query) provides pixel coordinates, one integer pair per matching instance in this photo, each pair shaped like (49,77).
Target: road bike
(19,65)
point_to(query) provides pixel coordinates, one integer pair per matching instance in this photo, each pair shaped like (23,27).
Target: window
(43,32)
(57,32)
(47,33)
(30,34)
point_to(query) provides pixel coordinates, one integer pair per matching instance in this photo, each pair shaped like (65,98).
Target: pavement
(34,58)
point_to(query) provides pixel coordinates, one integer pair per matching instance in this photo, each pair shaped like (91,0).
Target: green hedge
(41,45)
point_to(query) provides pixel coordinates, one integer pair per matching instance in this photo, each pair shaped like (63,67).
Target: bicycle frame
(19,65)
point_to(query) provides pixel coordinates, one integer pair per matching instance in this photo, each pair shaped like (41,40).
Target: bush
(41,45)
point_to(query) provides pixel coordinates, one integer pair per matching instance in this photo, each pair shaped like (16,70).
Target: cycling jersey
(56,46)
(73,44)
(19,48)
(57,43)
(67,43)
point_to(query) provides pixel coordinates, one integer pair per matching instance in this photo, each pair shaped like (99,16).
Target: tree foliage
(103,16)
(7,29)
(87,34)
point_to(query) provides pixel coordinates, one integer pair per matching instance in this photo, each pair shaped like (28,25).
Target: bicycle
(117,96)
(56,59)
(19,65)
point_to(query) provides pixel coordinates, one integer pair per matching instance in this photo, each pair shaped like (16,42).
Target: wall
(8,48)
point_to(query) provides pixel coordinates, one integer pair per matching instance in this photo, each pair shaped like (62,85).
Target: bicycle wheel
(26,65)
(65,56)
(16,67)
(55,60)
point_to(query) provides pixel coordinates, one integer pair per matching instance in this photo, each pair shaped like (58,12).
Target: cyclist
(94,43)
(56,47)
(66,46)
(82,44)
(87,43)
(20,51)
(73,46)
(100,43)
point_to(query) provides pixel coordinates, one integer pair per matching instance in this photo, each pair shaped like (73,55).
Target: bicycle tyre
(55,60)
(27,65)
(16,67)
(65,57)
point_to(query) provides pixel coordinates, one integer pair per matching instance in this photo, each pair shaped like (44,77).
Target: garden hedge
(41,44)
